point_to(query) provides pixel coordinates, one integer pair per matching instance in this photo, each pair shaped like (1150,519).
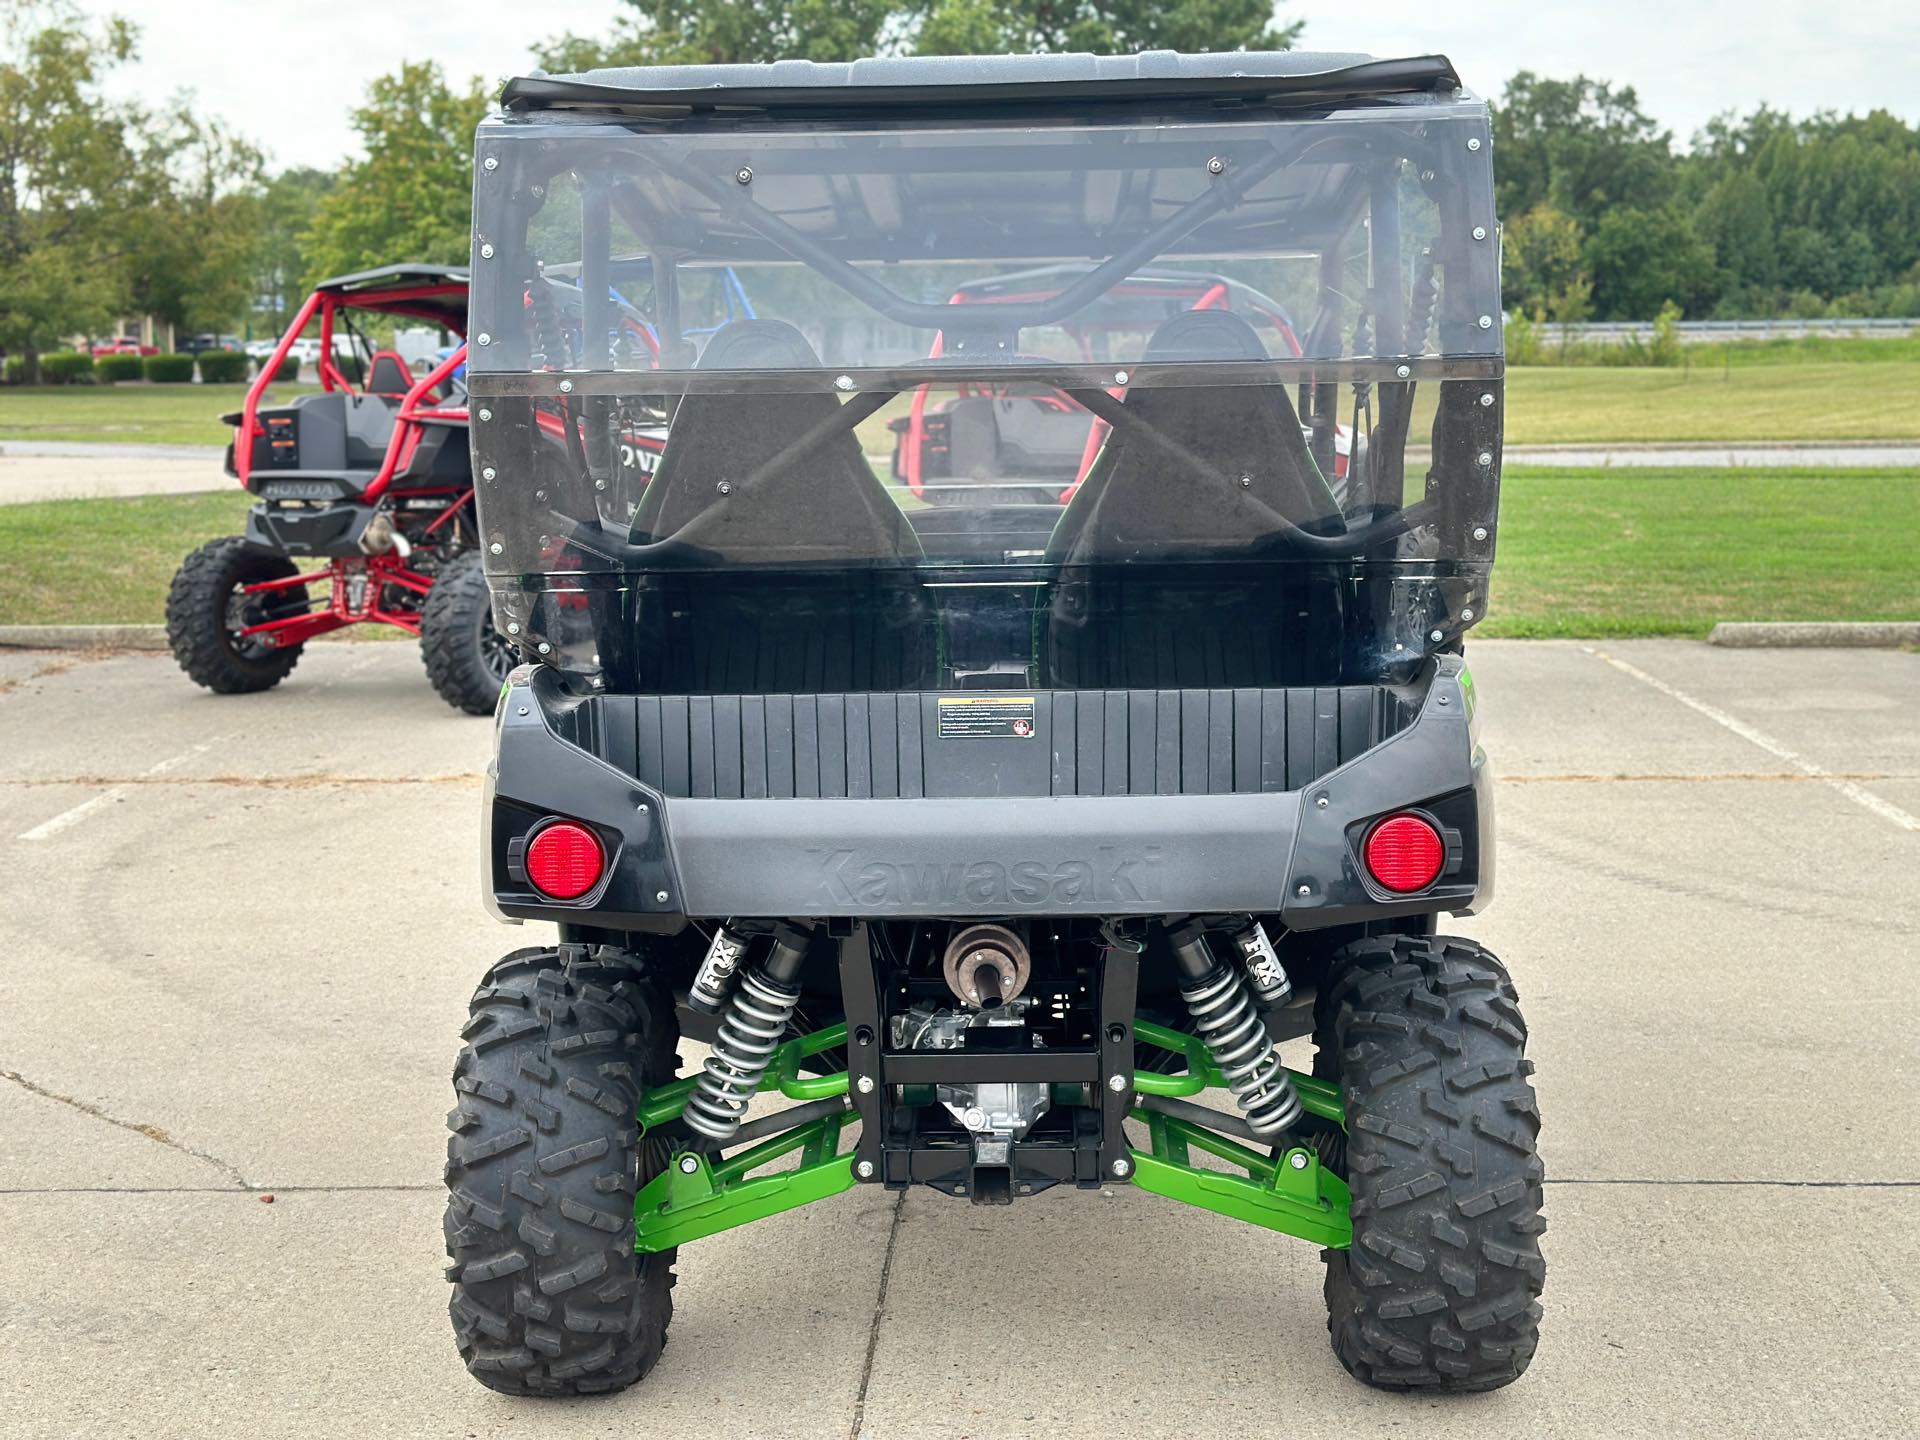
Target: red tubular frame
(408,423)
(417,409)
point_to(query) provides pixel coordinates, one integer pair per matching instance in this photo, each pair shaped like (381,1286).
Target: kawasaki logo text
(1109,874)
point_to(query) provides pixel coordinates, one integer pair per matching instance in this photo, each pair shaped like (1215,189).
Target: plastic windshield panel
(934,355)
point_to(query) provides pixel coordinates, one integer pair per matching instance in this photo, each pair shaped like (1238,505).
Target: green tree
(67,157)
(1104,27)
(1543,270)
(1735,218)
(691,32)
(1579,145)
(189,247)
(408,198)
(289,202)
(722,32)
(1640,259)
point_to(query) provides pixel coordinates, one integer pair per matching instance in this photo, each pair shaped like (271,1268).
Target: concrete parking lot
(237,937)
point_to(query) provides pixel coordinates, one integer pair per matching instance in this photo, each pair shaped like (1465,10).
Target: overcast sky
(288,73)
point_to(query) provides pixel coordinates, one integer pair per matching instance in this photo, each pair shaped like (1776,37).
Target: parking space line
(67,819)
(1866,799)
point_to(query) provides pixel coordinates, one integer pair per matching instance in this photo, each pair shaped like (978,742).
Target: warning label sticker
(986,717)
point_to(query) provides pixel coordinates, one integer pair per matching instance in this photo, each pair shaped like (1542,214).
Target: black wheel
(467,659)
(1441,1288)
(207,608)
(545,1158)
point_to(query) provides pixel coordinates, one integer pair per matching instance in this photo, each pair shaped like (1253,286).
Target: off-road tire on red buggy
(1440,1290)
(543,1163)
(466,658)
(199,605)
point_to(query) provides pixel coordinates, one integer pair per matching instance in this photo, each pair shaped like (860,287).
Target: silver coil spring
(1224,1016)
(756,1017)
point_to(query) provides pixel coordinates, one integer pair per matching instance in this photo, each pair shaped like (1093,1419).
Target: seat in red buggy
(1168,576)
(802,581)
(388,376)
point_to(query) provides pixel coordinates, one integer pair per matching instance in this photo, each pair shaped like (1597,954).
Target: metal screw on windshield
(744,175)
(1216,165)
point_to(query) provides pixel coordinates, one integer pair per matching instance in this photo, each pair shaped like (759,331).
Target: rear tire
(543,1163)
(1440,1289)
(467,660)
(205,609)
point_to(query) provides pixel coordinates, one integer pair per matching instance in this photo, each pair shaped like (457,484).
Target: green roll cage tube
(1292,1193)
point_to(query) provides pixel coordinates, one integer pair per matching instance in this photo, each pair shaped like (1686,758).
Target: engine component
(995,1113)
(708,992)
(1264,971)
(1224,1017)
(750,1030)
(987,966)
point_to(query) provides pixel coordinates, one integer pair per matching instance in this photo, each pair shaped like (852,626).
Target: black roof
(1293,76)
(393,281)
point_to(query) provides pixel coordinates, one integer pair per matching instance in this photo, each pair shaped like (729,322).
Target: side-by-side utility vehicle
(1014,843)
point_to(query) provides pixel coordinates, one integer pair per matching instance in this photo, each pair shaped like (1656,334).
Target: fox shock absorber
(1223,1015)
(1265,973)
(708,992)
(750,1030)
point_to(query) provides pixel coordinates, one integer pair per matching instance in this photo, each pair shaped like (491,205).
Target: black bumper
(1249,835)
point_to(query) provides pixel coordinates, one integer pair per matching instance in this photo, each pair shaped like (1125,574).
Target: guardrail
(1696,332)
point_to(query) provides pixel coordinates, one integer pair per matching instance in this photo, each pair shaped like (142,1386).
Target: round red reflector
(1404,853)
(564,861)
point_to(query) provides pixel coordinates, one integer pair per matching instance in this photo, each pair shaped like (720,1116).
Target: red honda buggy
(364,508)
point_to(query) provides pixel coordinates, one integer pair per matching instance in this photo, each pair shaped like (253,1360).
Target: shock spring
(1217,998)
(755,1021)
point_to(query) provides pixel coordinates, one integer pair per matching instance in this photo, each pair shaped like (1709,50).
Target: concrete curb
(83,637)
(1880,634)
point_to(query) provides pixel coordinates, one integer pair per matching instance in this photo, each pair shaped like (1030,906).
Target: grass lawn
(1616,552)
(1830,400)
(1669,552)
(75,562)
(129,414)
(1748,400)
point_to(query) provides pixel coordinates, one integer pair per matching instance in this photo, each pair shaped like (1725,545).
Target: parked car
(125,345)
(195,344)
(307,348)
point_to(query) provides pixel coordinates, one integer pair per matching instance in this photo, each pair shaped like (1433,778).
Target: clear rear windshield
(952,356)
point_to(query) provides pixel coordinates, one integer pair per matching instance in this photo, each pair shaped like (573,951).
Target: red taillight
(565,861)
(1404,853)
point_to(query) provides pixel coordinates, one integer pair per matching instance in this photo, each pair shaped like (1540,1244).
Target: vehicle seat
(388,376)
(1164,578)
(804,582)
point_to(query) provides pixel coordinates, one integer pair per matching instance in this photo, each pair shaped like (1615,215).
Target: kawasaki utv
(994,847)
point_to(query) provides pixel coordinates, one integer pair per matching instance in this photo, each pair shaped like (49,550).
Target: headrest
(387,374)
(758,345)
(1204,335)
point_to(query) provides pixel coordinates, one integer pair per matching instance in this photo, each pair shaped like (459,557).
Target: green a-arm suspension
(697,1195)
